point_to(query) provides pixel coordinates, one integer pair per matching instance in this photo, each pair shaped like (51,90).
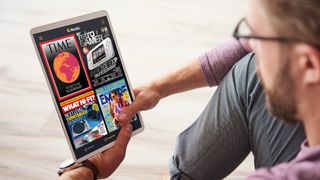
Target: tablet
(87,79)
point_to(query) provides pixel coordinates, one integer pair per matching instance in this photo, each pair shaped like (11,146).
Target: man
(234,122)
(307,57)
(310,21)
(285,36)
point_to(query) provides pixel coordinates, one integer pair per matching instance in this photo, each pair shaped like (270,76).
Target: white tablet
(87,79)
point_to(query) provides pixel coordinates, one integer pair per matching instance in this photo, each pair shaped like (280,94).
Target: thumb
(112,157)
(128,113)
(123,138)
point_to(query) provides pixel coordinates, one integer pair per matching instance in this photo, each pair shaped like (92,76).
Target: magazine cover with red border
(65,66)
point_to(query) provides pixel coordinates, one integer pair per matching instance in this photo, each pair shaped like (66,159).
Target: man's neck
(309,113)
(312,126)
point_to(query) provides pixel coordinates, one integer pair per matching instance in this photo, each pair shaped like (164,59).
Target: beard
(280,98)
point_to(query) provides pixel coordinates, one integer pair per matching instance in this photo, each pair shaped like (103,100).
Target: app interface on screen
(86,75)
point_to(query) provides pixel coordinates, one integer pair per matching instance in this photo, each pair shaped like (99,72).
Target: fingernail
(129,127)
(123,116)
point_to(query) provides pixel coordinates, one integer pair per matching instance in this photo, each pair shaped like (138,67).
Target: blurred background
(155,37)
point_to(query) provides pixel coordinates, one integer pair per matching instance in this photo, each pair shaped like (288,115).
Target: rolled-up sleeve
(216,62)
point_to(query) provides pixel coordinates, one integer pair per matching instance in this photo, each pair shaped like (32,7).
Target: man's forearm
(208,70)
(186,78)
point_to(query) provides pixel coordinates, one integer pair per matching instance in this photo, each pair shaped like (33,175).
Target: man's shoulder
(247,65)
(294,170)
(243,75)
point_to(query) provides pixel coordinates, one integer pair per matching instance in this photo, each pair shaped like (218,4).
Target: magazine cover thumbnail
(113,98)
(100,54)
(84,119)
(65,67)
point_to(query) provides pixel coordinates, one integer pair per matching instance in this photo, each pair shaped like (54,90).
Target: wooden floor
(154,36)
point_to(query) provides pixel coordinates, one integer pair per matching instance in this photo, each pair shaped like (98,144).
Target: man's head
(289,62)
(115,95)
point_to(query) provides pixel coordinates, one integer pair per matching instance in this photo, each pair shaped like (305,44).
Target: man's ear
(309,63)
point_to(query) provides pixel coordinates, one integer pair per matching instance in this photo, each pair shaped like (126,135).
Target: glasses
(244,31)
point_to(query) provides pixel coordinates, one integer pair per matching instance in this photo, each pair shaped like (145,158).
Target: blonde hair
(299,19)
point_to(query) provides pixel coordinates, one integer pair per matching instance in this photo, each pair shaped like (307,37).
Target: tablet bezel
(72,21)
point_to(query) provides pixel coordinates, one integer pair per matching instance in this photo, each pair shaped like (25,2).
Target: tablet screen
(88,81)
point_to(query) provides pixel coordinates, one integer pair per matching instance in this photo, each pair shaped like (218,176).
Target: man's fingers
(128,113)
(136,91)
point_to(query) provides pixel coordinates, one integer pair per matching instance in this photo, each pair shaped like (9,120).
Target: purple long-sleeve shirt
(215,64)
(305,166)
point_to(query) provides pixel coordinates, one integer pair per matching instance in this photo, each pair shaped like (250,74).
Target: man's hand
(147,97)
(183,79)
(106,162)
